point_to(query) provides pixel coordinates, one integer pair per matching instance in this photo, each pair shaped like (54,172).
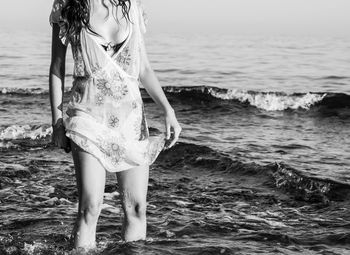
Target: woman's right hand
(59,137)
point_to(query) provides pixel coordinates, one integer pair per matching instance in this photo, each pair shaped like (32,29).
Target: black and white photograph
(175,127)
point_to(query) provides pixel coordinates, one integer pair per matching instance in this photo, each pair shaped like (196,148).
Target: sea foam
(25,132)
(268,101)
(272,101)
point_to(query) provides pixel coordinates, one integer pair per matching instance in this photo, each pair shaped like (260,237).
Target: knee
(90,211)
(135,210)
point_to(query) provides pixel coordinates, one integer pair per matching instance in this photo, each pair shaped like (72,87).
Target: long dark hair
(76,15)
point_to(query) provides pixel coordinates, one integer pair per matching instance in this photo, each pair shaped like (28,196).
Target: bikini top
(115,47)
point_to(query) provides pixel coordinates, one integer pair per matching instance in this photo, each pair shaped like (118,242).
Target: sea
(262,165)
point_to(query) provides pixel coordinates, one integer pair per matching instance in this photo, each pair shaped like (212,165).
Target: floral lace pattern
(113,151)
(55,17)
(99,98)
(109,85)
(137,126)
(79,67)
(57,7)
(144,129)
(153,150)
(113,121)
(124,58)
(134,104)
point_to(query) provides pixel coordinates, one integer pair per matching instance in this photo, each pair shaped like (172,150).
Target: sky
(273,17)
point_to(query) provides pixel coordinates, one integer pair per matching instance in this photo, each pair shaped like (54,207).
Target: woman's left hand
(173,128)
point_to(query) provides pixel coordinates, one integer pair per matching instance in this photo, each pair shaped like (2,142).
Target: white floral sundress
(106,115)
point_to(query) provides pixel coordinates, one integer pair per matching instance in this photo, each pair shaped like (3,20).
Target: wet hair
(76,15)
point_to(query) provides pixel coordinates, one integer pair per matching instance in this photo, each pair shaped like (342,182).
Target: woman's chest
(90,54)
(110,24)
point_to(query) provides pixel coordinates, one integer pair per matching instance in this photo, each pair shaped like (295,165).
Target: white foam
(25,132)
(271,101)
(7,145)
(25,91)
(28,91)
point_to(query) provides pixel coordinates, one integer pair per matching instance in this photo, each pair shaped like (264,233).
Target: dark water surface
(262,167)
(200,202)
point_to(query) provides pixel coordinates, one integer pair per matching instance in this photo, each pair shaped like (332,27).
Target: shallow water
(199,202)
(262,166)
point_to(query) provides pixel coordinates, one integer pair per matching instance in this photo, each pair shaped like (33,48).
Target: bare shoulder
(56,11)
(59,32)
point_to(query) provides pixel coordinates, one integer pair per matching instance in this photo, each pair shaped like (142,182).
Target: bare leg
(91,177)
(133,184)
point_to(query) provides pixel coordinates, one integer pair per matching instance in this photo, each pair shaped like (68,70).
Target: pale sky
(304,17)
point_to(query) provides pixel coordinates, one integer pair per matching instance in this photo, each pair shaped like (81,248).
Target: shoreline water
(262,165)
(199,202)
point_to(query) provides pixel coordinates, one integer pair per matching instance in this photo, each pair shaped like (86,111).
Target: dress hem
(80,140)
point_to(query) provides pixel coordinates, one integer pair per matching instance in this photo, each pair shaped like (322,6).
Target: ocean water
(262,166)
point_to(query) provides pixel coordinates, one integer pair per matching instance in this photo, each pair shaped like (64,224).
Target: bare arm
(56,87)
(57,74)
(151,83)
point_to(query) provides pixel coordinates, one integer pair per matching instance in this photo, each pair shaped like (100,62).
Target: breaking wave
(268,101)
(34,132)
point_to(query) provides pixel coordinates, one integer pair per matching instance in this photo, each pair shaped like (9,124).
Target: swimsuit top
(115,47)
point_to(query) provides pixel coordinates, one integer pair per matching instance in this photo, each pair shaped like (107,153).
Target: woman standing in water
(106,128)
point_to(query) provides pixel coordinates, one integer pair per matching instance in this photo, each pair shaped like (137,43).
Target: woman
(106,128)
